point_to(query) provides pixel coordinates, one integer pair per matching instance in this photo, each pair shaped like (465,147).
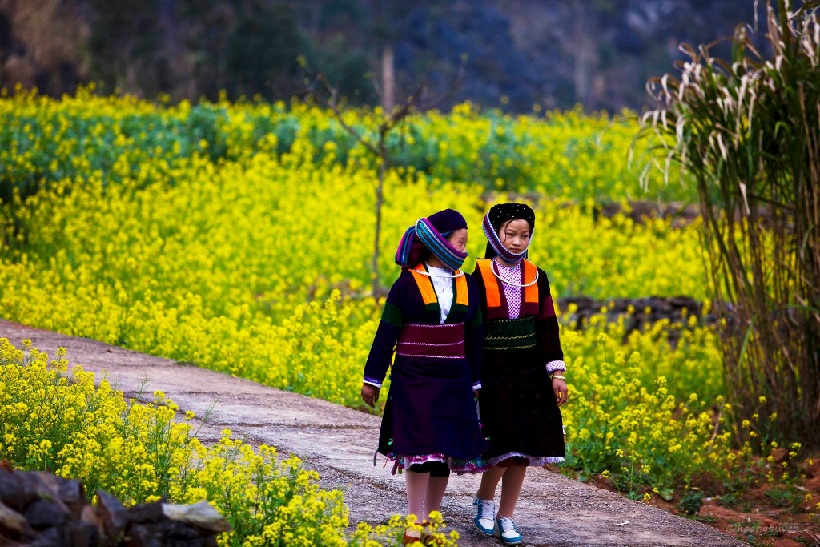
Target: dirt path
(338,442)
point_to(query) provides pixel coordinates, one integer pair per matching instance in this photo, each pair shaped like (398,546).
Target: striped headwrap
(499,215)
(431,234)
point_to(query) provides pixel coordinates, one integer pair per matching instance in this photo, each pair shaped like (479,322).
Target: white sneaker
(484,516)
(505,530)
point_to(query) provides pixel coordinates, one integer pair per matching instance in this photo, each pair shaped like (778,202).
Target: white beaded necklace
(428,274)
(511,284)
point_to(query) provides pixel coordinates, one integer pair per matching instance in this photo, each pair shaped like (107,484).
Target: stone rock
(12,491)
(52,537)
(112,514)
(201,515)
(13,525)
(46,513)
(72,494)
(164,533)
(83,534)
(89,515)
(147,512)
(52,511)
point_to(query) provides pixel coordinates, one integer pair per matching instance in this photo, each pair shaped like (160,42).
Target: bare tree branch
(330,97)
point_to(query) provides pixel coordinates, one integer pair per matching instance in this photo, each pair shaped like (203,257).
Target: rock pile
(639,211)
(638,313)
(641,311)
(42,509)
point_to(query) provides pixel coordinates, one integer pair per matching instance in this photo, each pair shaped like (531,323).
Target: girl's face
(515,235)
(458,239)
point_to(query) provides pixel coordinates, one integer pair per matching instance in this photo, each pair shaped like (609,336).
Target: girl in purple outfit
(432,322)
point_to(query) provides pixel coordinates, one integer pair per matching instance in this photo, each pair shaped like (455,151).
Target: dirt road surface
(339,443)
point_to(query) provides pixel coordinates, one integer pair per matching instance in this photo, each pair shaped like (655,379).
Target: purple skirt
(430,410)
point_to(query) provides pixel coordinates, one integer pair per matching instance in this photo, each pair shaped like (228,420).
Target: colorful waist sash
(510,334)
(442,341)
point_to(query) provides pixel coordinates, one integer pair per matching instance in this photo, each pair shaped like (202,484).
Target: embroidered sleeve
(549,341)
(372,382)
(558,364)
(387,334)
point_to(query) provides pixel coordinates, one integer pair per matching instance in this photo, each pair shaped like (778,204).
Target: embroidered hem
(400,463)
(481,465)
(538,461)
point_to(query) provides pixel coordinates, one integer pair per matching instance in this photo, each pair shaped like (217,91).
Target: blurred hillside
(515,53)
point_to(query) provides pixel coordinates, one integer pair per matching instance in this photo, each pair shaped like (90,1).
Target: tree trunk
(374,263)
(584,54)
(388,81)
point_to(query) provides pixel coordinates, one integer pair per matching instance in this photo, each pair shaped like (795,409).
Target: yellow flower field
(53,418)
(238,237)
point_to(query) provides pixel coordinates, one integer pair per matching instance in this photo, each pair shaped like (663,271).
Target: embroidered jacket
(412,305)
(536,307)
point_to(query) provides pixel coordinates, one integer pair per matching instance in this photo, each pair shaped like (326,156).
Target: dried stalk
(749,132)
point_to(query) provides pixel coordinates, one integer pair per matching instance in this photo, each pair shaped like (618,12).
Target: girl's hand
(559,387)
(370,394)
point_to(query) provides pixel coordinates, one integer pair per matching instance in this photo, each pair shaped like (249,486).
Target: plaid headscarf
(499,215)
(431,234)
